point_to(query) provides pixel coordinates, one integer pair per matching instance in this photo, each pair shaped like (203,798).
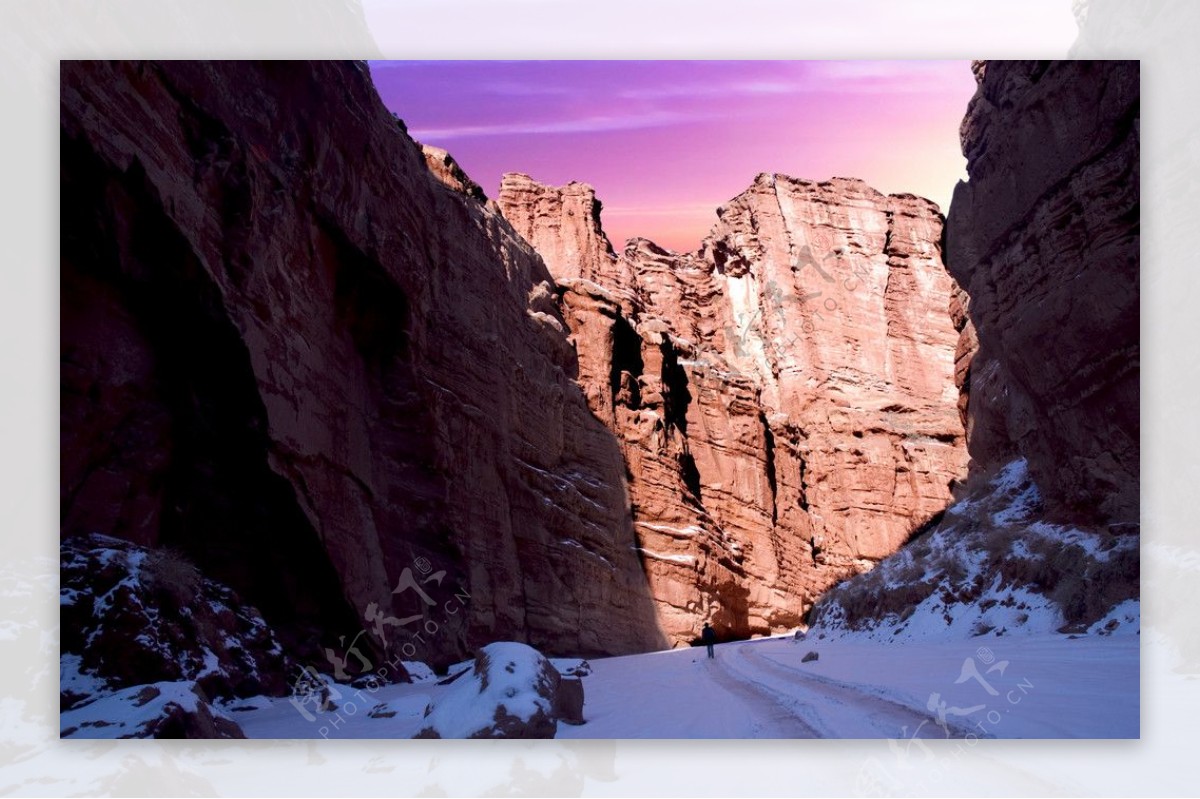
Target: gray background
(35,35)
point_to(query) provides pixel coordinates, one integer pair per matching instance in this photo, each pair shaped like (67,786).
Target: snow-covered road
(1038,686)
(833,709)
(756,689)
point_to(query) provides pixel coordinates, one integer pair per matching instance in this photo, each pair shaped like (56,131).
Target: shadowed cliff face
(784,396)
(163,428)
(291,352)
(1044,237)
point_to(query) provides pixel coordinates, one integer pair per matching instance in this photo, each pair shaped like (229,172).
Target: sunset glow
(666,142)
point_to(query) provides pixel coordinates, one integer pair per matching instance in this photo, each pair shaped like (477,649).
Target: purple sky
(666,142)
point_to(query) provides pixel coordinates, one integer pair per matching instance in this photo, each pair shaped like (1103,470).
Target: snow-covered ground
(1022,686)
(993,623)
(963,633)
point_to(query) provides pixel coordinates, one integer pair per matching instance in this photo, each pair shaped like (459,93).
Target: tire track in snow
(774,718)
(887,717)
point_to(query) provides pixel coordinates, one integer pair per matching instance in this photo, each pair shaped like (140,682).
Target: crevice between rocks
(769,458)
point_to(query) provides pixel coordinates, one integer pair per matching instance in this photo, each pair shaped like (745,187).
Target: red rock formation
(290,351)
(1044,238)
(784,395)
(447,170)
(563,225)
(968,345)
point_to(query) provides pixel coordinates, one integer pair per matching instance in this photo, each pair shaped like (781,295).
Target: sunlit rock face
(1044,238)
(784,396)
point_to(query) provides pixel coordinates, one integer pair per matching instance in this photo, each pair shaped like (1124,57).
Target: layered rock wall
(563,225)
(784,395)
(1044,237)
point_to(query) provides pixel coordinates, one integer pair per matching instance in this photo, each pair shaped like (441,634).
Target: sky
(665,143)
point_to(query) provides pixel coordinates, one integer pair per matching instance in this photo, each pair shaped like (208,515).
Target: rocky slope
(784,395)
(993,566)
(335,384)
(131,615)
(148,645)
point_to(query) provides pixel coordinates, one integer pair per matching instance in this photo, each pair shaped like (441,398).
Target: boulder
(568,700)
(512,691)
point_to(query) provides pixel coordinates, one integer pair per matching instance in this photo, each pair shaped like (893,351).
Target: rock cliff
(337,385)
(1044,238)
(447,170)
(563,225)
(304,350)
(784,396)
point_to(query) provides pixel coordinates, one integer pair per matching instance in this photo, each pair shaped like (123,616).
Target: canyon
(310,355)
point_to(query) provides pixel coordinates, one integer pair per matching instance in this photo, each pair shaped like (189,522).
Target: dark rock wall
(1044,237)
(291,352)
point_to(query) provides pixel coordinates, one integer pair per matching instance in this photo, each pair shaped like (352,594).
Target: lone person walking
(709,637)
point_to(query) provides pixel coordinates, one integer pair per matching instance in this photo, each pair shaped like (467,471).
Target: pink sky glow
(666,142)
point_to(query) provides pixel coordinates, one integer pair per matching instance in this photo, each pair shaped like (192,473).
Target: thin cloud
(817,77)
(515,89)
(595,124)
(890,77)
(762,87)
